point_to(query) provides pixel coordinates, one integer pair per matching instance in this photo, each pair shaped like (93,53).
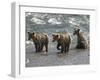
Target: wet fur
(81,41)
(63,41)
(40,40)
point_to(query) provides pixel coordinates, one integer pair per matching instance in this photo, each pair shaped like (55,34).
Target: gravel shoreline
(73,57)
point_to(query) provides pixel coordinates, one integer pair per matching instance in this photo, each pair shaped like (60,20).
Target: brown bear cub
(81,41)
(63,40)
(40,40)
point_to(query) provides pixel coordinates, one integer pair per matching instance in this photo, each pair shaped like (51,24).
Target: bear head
(76,31)
(30,35)
(55,37)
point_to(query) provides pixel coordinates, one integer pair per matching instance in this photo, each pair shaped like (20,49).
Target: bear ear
(58,36)
(28,32)
(78,30)
(33,33)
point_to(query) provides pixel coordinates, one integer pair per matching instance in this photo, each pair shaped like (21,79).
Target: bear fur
(63,40)
(40,40)
(81,41)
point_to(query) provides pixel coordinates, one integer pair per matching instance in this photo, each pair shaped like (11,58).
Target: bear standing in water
(81,42)
(63,40)
(40,40)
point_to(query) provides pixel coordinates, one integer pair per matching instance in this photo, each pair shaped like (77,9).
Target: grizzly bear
(81,41)
(40,40)
(63,40)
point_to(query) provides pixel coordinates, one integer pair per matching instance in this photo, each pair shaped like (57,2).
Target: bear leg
(65,50)
(68,47)
(36,47)
(58,45)
(46,46)
(62,48)
(41,47)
